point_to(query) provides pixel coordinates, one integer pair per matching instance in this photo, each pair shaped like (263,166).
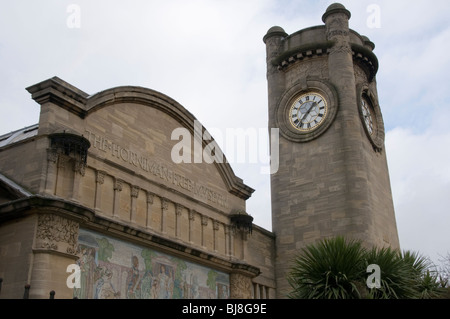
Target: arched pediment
(85,106)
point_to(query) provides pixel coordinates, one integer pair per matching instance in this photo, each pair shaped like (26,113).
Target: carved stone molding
(179,209)
(240,286)
(118,185)
(135,191)
(150,198)
(205,220)
(341,46)
(79,167)
(100,178)
(57,233)
(337,31)
(164,204)
(192,214)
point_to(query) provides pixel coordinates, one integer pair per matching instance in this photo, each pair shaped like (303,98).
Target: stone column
(274,40)
(134,196)
(231,233)
(228,250)
(342,75)
(164,209)
(256,291)
(216,227)
(191,224)
(178,211)
(244,237)
(99,180)
(263,292)
(61,174)
(204,224)
(79,169)
(52,169)
(117,189)
(150,197)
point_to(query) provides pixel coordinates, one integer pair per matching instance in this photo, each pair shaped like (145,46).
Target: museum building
(93,205)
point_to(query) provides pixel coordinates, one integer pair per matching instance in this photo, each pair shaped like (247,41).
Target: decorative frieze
(56,233)
(240,286)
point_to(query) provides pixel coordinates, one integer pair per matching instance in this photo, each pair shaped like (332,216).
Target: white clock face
(367,116)
(308,111)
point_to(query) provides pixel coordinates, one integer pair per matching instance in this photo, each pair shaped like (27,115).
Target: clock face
(368,116)
(308,111)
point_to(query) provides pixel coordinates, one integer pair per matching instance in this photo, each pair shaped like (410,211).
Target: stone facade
(332,180)
(98,183)
(104,163)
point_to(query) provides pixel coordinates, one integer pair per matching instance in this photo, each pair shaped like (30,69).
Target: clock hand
(308,111)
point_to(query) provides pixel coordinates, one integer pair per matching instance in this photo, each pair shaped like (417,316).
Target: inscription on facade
(155,168)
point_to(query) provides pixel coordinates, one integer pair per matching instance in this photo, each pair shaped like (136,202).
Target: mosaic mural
(112,268)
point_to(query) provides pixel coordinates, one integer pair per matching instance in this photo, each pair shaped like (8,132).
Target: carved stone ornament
(79,167)
(164,204)
(337,31)
(57,233)
(118,185)
(135,191)
(70,147)
(179,209)
(150,198)
(240,287)
(101,177)
(192,214)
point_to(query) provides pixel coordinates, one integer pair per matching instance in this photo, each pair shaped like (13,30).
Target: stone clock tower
(333,177)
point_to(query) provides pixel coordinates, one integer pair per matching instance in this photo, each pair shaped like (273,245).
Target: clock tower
(333,176)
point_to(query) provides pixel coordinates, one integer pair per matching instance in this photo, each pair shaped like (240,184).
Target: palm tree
(336,268)
(398,276)
(331,269)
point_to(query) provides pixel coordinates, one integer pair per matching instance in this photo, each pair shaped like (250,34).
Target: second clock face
(308,111)
(368,116)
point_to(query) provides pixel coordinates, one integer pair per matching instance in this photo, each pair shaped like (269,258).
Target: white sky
(209,56)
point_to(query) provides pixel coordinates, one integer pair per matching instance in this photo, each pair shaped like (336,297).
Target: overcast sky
(209,56)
